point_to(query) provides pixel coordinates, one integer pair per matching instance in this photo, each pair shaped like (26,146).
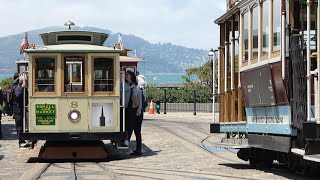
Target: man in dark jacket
(20,94)
(10,93)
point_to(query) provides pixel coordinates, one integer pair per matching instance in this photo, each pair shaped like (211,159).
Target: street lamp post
(212,55)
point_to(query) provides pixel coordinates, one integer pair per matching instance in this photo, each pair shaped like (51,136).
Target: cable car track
(276,168)
(76,171)
(208,135)
(199,145)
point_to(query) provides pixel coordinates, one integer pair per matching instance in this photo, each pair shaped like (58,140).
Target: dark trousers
(0,129)
(133,123)
(0,125)
(19,124)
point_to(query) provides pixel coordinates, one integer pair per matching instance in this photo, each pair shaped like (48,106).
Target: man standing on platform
(19,94)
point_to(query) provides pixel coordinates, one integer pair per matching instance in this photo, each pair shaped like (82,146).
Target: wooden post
(233,101)
(221,106)
(222,74)
(233,106)
(226,51)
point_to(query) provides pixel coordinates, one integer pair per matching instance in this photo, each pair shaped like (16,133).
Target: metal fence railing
(182,100)
(189,107)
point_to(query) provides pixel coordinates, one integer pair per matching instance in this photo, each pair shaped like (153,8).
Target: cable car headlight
(74,115)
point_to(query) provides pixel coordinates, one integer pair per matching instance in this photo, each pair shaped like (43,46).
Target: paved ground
(13,159)
(166,156)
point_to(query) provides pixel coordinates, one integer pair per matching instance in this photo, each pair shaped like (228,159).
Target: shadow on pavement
(122,154)
(278,169)
(9,132)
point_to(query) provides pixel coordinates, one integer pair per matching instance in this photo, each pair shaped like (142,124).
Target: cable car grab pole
(318,50)
(214,86)
(308,63)
(283,38)
(123,102)
(24,105)
(219,72)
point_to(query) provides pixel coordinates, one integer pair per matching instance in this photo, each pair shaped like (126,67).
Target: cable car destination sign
(45,114)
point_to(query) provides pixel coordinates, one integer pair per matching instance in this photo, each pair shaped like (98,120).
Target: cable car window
(74,74)
(103,74)
(129,68)
(255,32)
(265,27)
(74,38)
(246,36)
(313,27)
(276,24)
(44,74)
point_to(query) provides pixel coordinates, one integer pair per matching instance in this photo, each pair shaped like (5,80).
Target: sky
(188,23)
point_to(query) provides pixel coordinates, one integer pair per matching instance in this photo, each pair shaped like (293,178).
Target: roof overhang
(22,62)
(131,59)
(73,32)
(226,16)
(73,48)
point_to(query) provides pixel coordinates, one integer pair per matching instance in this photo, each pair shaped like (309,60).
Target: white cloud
(183,22)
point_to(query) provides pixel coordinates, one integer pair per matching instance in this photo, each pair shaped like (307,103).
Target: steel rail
(196,144)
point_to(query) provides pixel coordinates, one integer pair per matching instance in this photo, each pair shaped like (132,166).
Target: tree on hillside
(199,75)
(203,73)
(5,83)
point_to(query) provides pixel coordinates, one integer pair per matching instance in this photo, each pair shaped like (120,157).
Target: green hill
(161,57)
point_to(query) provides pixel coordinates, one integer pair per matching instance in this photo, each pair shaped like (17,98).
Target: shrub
(180,95)
(6,83)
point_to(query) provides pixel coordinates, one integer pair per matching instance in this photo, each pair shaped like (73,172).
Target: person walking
(5,103)
(158,106)
(133,106)
(20,94)
(1,110)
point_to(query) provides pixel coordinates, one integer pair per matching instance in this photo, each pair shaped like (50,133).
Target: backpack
(11,96)
(144,100)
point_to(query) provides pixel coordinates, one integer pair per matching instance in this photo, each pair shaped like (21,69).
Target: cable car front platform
(80,136)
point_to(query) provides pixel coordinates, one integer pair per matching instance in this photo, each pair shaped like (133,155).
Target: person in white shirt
(142,83)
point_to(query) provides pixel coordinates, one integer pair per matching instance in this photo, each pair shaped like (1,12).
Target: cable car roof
(73,48)
(131,59)
(74,37)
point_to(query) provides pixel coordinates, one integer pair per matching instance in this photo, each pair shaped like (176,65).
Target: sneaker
(136,153)
(34,142)
(22,145)
(122,145)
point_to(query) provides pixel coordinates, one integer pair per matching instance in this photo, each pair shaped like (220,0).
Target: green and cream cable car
(74,89)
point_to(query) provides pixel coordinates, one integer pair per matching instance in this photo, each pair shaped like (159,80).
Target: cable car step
(77,150)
